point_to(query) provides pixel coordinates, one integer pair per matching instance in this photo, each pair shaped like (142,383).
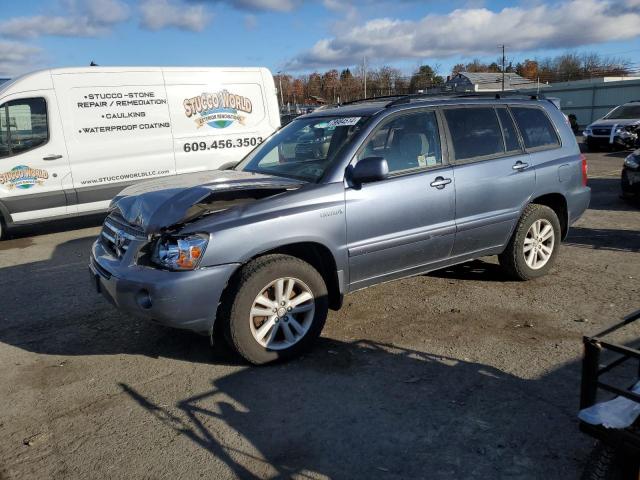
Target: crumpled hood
(161,203)
(615,121)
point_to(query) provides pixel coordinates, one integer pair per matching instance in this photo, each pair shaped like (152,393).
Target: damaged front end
(152,215)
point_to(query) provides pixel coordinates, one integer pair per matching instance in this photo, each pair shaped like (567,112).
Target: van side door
(401,225)
(34,165)
(494,179)
(118,132)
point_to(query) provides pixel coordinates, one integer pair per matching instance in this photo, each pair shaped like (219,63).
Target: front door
(34,165)
(400,225)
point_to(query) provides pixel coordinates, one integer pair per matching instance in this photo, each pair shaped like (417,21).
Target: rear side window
(475,132)
(535,127)
(23,126)
(508,130)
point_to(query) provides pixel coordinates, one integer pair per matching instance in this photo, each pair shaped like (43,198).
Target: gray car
(620,128)
(339,200)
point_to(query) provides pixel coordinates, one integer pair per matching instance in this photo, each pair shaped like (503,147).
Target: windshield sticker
(23,177)
(218,110)
(343,122)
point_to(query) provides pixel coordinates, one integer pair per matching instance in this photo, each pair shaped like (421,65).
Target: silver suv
(339,200)
(619,128)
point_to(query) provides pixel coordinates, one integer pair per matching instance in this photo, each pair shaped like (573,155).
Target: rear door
(34,165)
(397,226)
(493,177)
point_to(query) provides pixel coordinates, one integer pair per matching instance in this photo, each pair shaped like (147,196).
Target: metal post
(503,61)
(364,73)
(281,94)
(590,363)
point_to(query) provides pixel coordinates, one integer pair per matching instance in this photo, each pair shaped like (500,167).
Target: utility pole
(281,94)
(503,61)
(364,73)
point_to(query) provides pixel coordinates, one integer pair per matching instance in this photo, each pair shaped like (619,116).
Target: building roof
(485,81)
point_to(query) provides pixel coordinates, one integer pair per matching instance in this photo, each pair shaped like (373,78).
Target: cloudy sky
(298,36)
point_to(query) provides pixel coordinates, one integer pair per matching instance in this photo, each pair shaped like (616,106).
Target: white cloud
(158,14)
(263,5)
(89,18)
(16,58)
(477,31)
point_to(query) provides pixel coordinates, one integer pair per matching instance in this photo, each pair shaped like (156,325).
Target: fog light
(143,299)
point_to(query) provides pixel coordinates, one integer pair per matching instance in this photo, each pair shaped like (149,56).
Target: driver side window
(406,142)
(23,126)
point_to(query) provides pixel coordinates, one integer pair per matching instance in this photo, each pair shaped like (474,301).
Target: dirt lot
(458,374)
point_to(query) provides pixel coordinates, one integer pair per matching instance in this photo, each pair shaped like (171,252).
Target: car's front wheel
(276,308)
(534,245)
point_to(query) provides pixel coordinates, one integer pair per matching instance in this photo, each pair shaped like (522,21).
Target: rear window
(535,127)
(475,132)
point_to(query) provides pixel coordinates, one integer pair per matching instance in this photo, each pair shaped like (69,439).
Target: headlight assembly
(632,161)
(180,252)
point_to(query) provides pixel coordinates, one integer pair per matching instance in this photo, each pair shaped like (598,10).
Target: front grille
(603,131)
(117,234)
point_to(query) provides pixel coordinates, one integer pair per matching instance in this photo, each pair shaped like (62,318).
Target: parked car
(72,138)
(620,128)
(399,188)
(630,178)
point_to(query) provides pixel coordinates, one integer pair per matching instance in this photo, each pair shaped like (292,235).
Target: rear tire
(534,245)
(293,297)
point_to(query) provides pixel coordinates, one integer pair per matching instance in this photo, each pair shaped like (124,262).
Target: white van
(72,138)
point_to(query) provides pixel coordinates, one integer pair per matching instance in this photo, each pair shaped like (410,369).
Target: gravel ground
(457,374)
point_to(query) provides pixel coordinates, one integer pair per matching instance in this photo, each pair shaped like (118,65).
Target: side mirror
(370,169)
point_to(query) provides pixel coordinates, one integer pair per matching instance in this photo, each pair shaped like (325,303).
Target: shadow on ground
(604,239)
(55,226)
(606,195)
(369,410)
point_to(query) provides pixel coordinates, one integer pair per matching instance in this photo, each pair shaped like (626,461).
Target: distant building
(487,82)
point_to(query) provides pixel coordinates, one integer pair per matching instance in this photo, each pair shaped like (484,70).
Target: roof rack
(494,95)
(374,99)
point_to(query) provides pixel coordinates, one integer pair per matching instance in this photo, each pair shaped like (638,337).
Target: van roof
(46,74)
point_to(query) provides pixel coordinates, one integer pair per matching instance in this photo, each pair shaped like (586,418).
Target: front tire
(276,307)
(534,245)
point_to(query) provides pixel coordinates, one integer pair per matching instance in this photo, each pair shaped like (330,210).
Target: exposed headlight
(180,253)
(632,161)
(587,132)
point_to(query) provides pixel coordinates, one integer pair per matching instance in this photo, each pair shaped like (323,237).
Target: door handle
(52,157)
(520,165)
(440,182)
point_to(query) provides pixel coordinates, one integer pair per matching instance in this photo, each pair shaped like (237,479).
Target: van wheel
(534,245)
(277,307)
(3,229)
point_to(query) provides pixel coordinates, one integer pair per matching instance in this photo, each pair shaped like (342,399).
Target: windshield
(625,112)
(304,149)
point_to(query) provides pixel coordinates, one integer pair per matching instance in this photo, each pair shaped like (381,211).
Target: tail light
(585,169)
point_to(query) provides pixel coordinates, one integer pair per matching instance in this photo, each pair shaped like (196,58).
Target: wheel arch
(558,203)
(316,254)
(319,257)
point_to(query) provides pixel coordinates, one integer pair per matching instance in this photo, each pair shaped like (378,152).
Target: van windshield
(304,149)
(625,112)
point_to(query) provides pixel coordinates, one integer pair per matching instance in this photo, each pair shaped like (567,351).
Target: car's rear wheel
(276,308)
(605,463)
(534,245)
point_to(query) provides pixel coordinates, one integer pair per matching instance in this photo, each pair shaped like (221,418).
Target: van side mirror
(370,169)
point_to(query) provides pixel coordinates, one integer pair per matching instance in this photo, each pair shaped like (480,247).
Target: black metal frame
(626,439)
